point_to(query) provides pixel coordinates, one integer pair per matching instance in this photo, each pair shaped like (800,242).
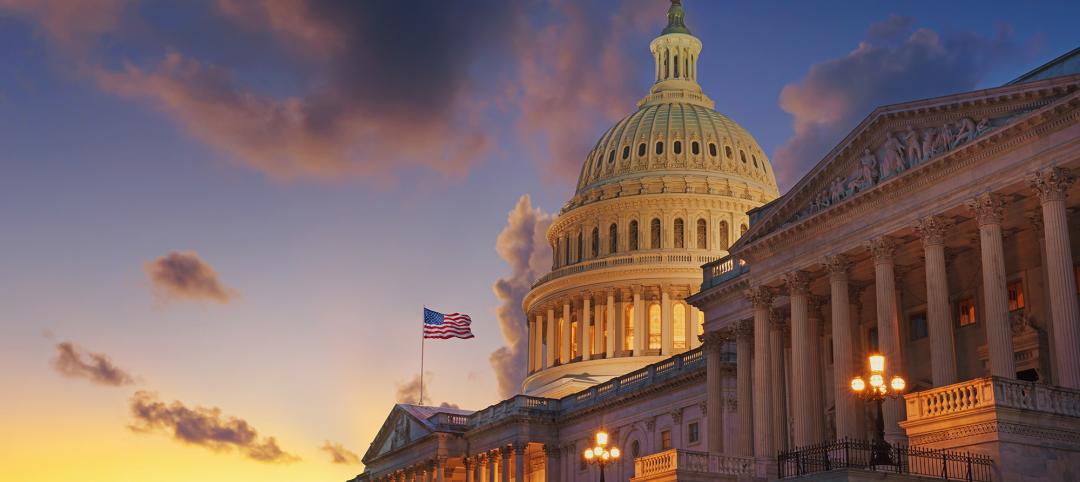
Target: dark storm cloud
(893,64)
(339,454)
(72,362)
(523,245)
(203,426)
(183,275)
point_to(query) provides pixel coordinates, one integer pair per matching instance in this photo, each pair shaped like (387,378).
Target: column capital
(676,416)
(506,450)
(744,329)
(837,265)
(519,447)
(988,208)
(797,282)
(1051,184)
(882,248)
(932,230)
(759,297)
(712,340)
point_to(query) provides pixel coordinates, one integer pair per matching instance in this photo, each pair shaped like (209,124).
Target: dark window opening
(677,147)
(626,152)
(641,149)
(712,149)
(659,148)
(695,148)
(611,156)
(727,151)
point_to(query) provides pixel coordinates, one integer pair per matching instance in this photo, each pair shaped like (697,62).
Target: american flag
(450,325)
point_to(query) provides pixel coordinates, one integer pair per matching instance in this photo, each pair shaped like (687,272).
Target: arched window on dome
(580,247)
(712,149)
(659,147)
(695,148)
(679,331)
(654,234)
(632,241)
(676,66)
(742,156)
(625,152)
(628,327)
(655,323)
(613,238)
(755,161)
(641,149)
(742,229)
(677,147)
(680,238)
(566,250)
(723,241)
(611,156)
(702,234)
(595,242)
(727,151)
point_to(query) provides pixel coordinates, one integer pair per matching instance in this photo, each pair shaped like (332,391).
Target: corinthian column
(882,250)
(1052,186)
(744,343)
(814,384)
(843,353)
(565,353)
(714,396)
(586,332)
(942,343)
(667,332)
(551,463)
(641,334)
(761,299)
(609,325)
(551,325)
(778,325)
(989,209)
(800,357)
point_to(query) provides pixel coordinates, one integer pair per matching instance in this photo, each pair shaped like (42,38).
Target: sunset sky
(220,220)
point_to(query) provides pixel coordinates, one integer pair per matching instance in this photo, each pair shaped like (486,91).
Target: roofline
(1044,67)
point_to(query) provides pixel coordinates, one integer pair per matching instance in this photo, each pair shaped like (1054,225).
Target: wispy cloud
(339,454)
(184,275)
(203,426)
(72,362)
(409,391)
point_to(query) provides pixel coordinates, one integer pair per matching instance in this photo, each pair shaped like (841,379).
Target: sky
(221,219)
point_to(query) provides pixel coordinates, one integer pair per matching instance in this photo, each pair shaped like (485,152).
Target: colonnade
(497,465)
(426,471)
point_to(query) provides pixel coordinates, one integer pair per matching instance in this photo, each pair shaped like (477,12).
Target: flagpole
(422,322)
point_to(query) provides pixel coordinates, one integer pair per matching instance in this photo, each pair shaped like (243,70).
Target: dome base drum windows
(654,234)
(680,238)
(633,240)
(695,148)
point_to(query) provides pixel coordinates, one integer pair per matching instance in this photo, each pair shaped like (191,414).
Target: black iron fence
(881,457)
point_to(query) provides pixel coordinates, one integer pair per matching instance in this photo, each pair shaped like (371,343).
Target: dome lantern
(675,53)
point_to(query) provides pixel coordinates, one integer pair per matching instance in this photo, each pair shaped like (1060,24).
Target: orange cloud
(184,275)
(339,454)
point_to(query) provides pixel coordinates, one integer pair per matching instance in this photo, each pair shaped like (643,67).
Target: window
(677,147)
(665,440)
(755,160)
(575,350)
(625,152)
(611,156)
(613,241)
(595,242)
(635,449)
(702,234)
(580,247)
(742,156)
(727,151)
(712,149)
(679,238)
(966,308)
(654,234)
(655,337)
(1016,295)
(693,433)
(917,328)
(723,235)
(641,149)
(633,241)
(679,331)
(695,148)
(659,147)
(628,327)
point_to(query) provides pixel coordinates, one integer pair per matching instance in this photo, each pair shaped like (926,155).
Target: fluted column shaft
(551,324)
(519,462)
(1052,187)
(567,334)
(667,332)
(777,383)
(815,382)
(764,446)
(888,328)
(800,358)
(504,464)
(609,325)
(989,209)
(492,461)
(714,395)
(586,332)
(551,464)
(942,339)
(469,476)
(744,343)
(843,353)
(641,335)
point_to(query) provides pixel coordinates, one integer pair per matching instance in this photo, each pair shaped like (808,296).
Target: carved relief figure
(914,149)
(893,157)
(836,189)
(945,138)
(965,131)
(928,137)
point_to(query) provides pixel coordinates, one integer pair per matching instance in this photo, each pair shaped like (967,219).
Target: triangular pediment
(897,140)
(400,428)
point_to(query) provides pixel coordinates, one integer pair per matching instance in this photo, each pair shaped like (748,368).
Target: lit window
(575,350)
(966,312)
(693,433)
(1016,295)
(665,439)
(702,234)
(655,337)
(679,331)
(917,327)
(633,241)
(628,327)
(559,340)
(677,147)
(695,148)
(679,238)
(723,235)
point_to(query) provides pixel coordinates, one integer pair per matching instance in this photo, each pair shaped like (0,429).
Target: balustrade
(690,461)
(690,260)
(992,391)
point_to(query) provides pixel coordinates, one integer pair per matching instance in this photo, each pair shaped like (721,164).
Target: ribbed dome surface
(676,138)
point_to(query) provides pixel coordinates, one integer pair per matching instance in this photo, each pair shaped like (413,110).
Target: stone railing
(675,366)
(685,460)
(724,269)
(986,392)
(689,260)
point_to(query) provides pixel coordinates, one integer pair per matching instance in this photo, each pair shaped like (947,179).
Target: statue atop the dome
(675,22)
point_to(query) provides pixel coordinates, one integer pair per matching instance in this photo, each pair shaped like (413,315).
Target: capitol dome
(665,190)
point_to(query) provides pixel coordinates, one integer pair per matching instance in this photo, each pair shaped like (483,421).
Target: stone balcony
(1031,430)
(685,465)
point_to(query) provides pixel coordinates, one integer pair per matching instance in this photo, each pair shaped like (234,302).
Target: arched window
(659,147)
(695,148)
(680,239)
(595,242)
(628,327)
(613,238)
(712,149)
(700,322)
(566,250)
(654,234)
(633,241)
(611,156)
(742,156)
(641,149)
(702,234)
(723,235)
(655,323)
(635,449)
(742,229)
(580,247)
(727,151)
(625,152)
(677,146)
(679,331)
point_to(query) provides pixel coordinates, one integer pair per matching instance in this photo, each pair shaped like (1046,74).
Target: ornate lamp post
(600,454)
(876,392)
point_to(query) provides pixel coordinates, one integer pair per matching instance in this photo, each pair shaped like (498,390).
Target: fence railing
(991,391)
(701,462)
(880,457)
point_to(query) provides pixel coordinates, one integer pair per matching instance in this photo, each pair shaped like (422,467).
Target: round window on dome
(641,150)
(677,146)
(712,149)
(695,148)
(659,147)
(625,152)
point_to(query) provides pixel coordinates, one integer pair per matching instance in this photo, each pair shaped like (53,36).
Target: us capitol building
(713,327)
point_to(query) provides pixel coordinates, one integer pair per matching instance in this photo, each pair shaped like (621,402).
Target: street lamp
(601,454)
(876,392)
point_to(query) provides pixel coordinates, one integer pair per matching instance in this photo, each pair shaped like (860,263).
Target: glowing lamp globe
(877,363)
(601,438)
(588,454)
(876,380)
(615,453)
(858,384)
(898,384)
